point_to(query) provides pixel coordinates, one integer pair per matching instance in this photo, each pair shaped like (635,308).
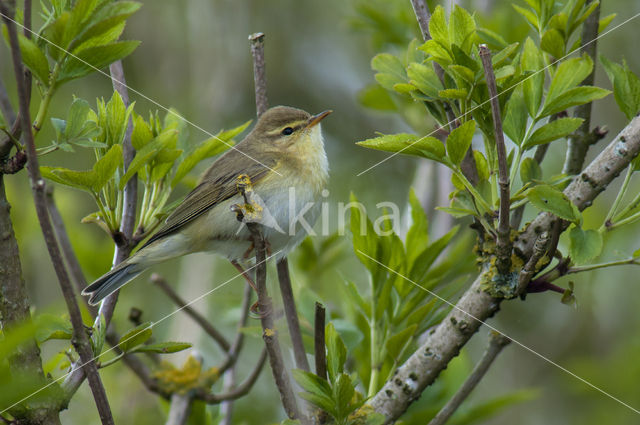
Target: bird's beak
(315,119)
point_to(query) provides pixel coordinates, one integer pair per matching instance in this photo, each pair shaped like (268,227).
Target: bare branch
(319,344)
(503,244)
(80,339)
(239,391)
(259,72)
(179,409)
(496,343)
(292,315)
(579,144)
(539,248)
(191,312)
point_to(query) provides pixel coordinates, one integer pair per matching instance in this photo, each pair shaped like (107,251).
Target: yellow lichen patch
(269,332)
(190,376)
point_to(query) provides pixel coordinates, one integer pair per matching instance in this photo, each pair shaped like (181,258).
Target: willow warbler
(285,160)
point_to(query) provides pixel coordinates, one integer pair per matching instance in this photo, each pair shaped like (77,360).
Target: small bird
(285,160)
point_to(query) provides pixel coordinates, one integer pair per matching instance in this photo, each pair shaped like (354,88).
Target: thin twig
(503,243)
(579,144)
(67,249)
(240,390)
(80,339)
(191,312)
(259,72)
(496,343)
(319,344)
(291,314)
(228,367)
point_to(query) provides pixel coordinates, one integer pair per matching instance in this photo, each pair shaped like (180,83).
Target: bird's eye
(287,131)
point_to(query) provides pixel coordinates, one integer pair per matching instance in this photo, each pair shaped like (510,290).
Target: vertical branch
(130,194)
(179,409)
(292,315)
(80,339)
(259,72)
(503,244)
(579,145)
(496,343)
(320,352)
(269,334)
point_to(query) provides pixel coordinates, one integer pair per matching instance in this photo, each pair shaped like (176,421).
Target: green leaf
(336,352)
(34,59)
(111,16)
(49,326)
(492,38)
(531,17)
(84,180)
(402,142)
(364,239)
(459,141)
(106,167)
(162,347)
(533,84)
(585,245)
(376,97)
(568,75)
(343,394)
(515,119)
(438,52)
(574,97)
(604,22)
(141,134)
(418,234)
(626,87)
(425,79)
(438,27)
(453,93)
(396,343)
(427,257)
(504,72)
(553,43)
(431,148)
(482,165)
(390,70)
(499,58)
(88,60)
(461,28)
(530,170)
(463,73)
(548,198)
(553,130)
(164,140)
(135,337)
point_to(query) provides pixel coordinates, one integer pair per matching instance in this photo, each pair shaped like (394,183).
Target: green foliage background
(194,57)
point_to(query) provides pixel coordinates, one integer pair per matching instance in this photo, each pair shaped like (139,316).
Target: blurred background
(195,58)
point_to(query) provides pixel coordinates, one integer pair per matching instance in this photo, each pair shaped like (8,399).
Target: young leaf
(84,180)
(418,234)
(364,237)
(573,97)
(106,166)
(530,170)
(461,28)
(533,84)
(390,70)
(134,337)
(553,130)
(336,352)
(92,58)
(553,43)
(585,245)
(515,120)
(459,141)
(626,86)
(438,27)
(548,198)
(568,75)
(162,347)
(401,142)
(424,78)
(34,59)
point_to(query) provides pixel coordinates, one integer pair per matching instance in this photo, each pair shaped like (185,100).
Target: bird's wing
(218,185)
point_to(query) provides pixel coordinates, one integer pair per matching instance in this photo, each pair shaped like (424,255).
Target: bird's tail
(112,281)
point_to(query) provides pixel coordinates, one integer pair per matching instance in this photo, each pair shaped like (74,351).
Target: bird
(285,159)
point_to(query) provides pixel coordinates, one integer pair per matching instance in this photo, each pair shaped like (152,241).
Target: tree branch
(503,243)
(191,312)
(497,342)
(446,340)
(539,248)
(319,344)
(247,214)
(291,314)
(80,339)
(578,145)
(259,72)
